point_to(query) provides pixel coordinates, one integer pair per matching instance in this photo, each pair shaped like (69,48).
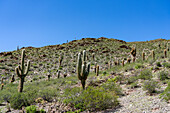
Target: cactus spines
(123,63)
(143,56)
(22,71)
(133,53)
(12,78)
(165,53)
(2,83)
(97,70)
(83,69)
(153,55)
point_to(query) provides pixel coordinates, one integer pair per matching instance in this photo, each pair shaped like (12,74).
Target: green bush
(31,109)
(150,86)
(145,74)
(112,86)
(134,85)
(131,79)
(18,100)
(166,64)
(158,64)
(91,99)
(166,93)
(138,66)
(163,75)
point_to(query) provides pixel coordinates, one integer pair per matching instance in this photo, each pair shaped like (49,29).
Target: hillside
(46,87)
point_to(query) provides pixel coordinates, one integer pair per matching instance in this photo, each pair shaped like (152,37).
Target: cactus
(109,64)
(82,71)
(22,71)
(97,70)
(48,75)
(143,56)
(60,60)
(2,83)
(93,56)
(153,55)
(12,79)
(123,63)
(165,53)
(58,74)
(65,74)
(133,53)
(95,67)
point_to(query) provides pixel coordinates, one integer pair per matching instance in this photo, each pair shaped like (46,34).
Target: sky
(40,23)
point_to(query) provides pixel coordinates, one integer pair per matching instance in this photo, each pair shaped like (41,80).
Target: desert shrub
(131,79)
(166,64)
(18,100)
(166,94)
(163,75)
(158,64)
(47,94)
(31,109)
(91,99)
(134,85)
(145,74)
(112,86)
(150,86)
(138,66)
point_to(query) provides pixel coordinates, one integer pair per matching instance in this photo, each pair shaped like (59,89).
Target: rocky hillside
(127,73)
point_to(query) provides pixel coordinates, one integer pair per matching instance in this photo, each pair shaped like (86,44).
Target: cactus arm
(22,60)
(17,71)
(88,68)
(83,72)
(27,68)
(79,66)
(84,55)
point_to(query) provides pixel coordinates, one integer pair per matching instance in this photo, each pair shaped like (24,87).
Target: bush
(166,93)
(150,86)
(131,79)
(91,99)
(31,109)
(134,85)
(166,64)
(163,75)
(158,64)
(112,86)
(145,74)
(18,100)
(138,66)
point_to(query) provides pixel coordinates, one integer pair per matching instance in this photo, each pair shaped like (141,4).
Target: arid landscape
(87,75)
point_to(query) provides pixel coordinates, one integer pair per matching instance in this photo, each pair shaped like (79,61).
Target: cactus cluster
(83,69)
(22,71)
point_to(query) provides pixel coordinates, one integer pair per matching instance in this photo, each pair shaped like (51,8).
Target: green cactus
(143,56)
(82,71)
(60,60)
(2,83)
(97,70)
(22,71)
(165,53)
(95,67)
(12,79)
(58,74)
(153,55)
(123,63)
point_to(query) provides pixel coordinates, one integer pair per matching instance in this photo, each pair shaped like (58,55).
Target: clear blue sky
(39,23)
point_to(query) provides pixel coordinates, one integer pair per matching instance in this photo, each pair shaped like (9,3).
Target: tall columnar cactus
(83,69)
(2,83)
(60,60)
(123,62)
(97,70)
(143,56)
(153,55)
(22,71)
(93,56)
(58,74)
(133,53)
(165,53)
